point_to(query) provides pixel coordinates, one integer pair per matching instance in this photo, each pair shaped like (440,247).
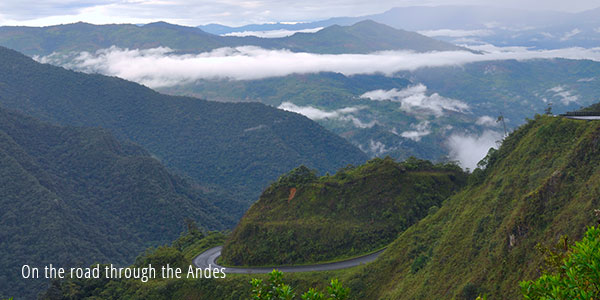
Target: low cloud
(547,35)
(376,148)
(272,33)
(570,34)
(313,113)
(357,122)
(420,130)
(470,149)
(414,99)
(457,33)
(487,121)
(566,96)
(161,67)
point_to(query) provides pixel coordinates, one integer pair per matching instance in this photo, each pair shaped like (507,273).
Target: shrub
(578,278)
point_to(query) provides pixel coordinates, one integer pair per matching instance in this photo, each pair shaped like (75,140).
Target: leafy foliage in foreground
(578,277)
(303,218)
(276,289)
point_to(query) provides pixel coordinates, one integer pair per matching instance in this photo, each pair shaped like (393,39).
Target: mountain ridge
(363,37)
(72,196)
(207,141)
(303,218)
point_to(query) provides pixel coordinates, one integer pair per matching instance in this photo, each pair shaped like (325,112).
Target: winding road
(209,258)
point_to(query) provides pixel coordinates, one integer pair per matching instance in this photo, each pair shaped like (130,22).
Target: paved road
(209,257)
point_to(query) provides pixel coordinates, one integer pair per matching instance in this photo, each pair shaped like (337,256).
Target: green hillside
(544,182)
(72,196)
(363,37)
(223,146)
(302,218)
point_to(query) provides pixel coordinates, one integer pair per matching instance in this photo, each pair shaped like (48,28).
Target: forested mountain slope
(73,196)
(363,37)
(237,147)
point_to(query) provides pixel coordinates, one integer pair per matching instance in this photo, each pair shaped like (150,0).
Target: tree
(578,277)
(276,289)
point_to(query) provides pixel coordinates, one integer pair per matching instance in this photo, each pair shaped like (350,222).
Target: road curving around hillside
(209,257)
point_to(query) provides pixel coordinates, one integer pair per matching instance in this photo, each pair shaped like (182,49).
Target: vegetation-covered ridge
(235,147)
(362,37)
(73,196)
(543,183)
(303,218)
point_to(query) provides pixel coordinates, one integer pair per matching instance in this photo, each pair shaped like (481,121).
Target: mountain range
(464,24)
(362,37)
(238,148)
(429,112)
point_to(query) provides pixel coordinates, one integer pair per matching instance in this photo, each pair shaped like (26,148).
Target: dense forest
(229,148)
(73,196)
(363,37)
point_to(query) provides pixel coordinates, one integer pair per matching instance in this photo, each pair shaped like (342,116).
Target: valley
(362,150)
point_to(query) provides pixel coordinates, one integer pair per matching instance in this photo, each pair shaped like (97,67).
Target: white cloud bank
(272,33)
(470,149)
(161,67)
(486,121)
(414,99)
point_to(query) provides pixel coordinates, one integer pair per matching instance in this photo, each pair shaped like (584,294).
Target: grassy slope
(350,213)
(544,184)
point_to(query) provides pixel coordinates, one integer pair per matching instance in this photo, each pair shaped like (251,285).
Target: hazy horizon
(232,13)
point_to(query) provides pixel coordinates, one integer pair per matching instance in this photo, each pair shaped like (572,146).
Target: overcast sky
(230,12)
